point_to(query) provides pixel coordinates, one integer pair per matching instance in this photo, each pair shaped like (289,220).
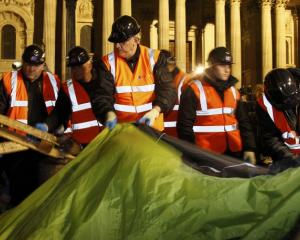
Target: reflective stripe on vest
(215,126)
(170,124)
(112,62)
(206,129)
(179,88)
(214,111)
(133,109)
(286,135)
(128,89)
(79,107)
(84,125)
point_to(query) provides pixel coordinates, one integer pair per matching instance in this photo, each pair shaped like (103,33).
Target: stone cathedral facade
(261,34)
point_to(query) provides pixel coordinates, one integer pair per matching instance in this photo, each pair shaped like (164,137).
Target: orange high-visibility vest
(170,119)
(15,88)
(84,126)
(216,127)
(289,136)
(134,90)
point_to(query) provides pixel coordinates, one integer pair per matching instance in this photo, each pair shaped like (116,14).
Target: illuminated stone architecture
(261,34)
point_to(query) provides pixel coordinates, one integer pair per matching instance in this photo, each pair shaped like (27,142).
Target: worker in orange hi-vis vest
(278,116)
(211,114)
(180,79)
(144,89)
(27,95)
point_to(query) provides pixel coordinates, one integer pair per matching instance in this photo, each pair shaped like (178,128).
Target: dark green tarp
(125,185)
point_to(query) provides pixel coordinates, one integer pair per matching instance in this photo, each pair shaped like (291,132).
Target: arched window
(86,38)
(8,40)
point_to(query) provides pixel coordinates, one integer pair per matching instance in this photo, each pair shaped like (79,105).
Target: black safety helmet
(77,56)
(168,56)
(34,55)
(124,28)
(219,55)
(282,89)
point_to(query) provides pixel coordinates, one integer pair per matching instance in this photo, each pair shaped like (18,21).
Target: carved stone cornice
(281,3)
(266,3)
(21,3)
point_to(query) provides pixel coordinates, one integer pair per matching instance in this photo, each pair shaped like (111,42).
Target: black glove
(280,166)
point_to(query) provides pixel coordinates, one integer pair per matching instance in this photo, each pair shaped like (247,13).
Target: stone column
(235,36)
(163,25)
(280,33)
(296,36)
(220,24)
(192,40)
(63,41)
(70,24)
(208,41)
(108,19)
(49,32)
(125,7)
(266,35)
(180,34)
(153,35)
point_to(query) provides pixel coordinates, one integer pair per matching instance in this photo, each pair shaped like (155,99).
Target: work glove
(249,157)
(111,120)
(282,165)
(149,117)
(42,126)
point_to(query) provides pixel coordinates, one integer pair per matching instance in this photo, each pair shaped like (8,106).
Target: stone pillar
(296,36)
(153,35)
(108,19)
(70,24)
(235,36)
(280,33)
(220,24)
(192,40)
(180,34)
(163,25)
(49,32)
(63,41)
(266,35)
(208,42)
(125,7)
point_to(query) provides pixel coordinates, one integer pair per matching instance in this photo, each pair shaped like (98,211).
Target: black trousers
(22,171)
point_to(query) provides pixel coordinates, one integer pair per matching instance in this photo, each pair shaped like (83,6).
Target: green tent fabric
(125,185)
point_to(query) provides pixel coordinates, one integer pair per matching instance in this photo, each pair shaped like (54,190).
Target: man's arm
(101,90)
(187,115)
(270,137)
(61,112)
(245,127)
(165,90)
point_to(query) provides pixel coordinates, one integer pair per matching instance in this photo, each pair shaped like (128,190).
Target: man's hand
(249,157)
(149,117)
(111,120)
(42,126)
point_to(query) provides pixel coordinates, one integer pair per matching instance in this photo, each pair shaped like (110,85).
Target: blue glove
(149,117)
(42,126)
(111,120)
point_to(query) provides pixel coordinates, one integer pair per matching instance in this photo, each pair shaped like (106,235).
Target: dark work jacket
(102,96)
(37,111)
(271,142)
(100,84)
(187,115)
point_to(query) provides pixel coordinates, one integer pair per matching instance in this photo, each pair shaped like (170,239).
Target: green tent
(125,185)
